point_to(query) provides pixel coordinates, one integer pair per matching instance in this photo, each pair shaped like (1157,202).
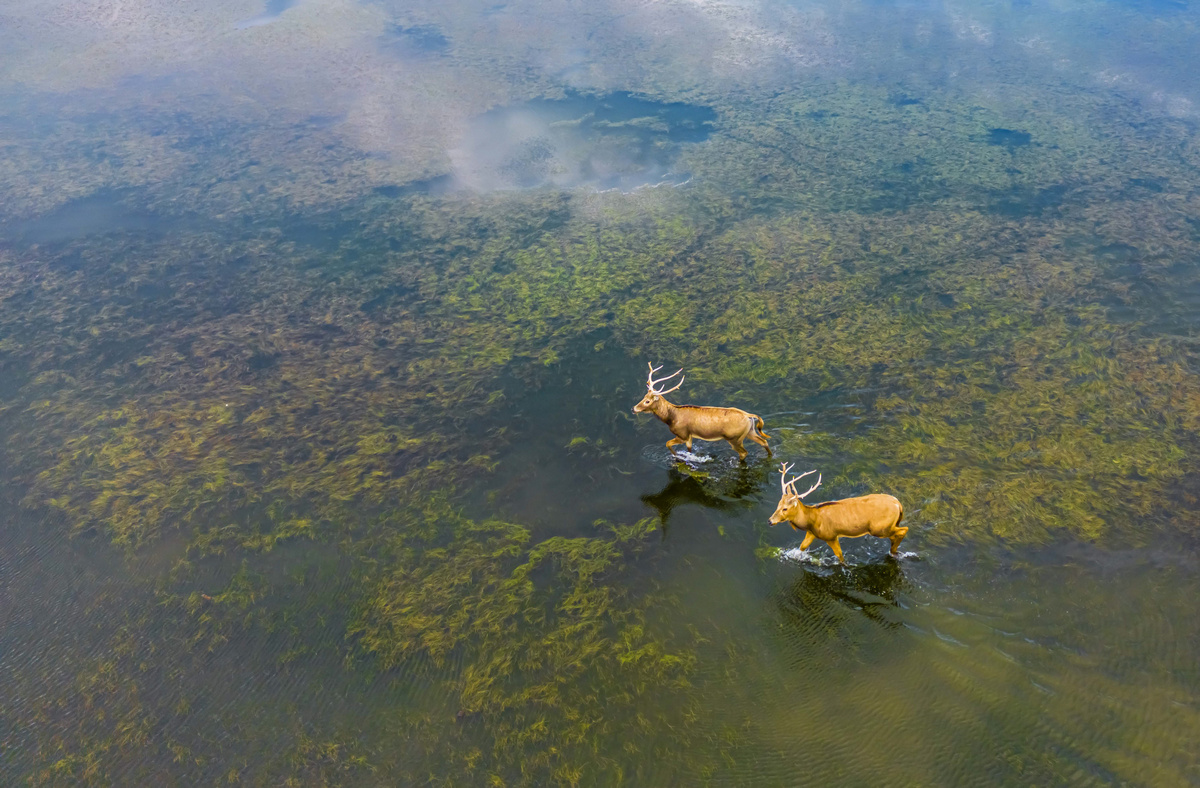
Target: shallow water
(321,326)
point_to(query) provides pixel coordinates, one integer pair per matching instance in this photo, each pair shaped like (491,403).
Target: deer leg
(808,539)
(897,537)
(736,443)
(755,437)
(837,549)
(671,444)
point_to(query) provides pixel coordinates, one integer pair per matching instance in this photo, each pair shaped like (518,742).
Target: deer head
(790,499)
(653,392)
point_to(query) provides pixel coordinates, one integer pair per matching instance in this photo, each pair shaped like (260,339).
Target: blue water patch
(106,212)
(611,141)
(1009,138)
(416,41)
(274,9)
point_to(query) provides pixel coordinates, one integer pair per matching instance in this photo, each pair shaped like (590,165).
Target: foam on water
(805,557)
(663,458)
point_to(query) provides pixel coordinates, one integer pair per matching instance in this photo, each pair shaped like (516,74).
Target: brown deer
(689,422)
(877,515)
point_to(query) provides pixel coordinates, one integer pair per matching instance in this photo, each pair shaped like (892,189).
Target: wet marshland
(316,454)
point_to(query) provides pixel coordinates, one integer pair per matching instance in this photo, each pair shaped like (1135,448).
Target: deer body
(706,423)
(878,515)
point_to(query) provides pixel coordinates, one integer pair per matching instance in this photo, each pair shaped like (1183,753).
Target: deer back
(876,514)
(709,420)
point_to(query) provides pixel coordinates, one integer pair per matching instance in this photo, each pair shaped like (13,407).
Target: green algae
(547,643)
(253,392)
(546,647)
(999,404)
(1002,398)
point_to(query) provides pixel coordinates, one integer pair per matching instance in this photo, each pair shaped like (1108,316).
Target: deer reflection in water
(821,599)
(721,494)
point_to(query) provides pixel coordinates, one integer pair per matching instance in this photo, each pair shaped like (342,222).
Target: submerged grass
(543,648)
(547,646)
(244,391)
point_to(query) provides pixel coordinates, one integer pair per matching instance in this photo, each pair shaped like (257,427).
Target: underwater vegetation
(545,647)
(551,639)
(290,426)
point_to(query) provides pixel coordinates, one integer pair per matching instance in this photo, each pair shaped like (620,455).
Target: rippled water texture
(321,323)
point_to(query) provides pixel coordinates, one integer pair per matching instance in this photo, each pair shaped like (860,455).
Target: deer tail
(758,427)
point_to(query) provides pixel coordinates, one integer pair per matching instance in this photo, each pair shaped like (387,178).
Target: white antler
(810,489)
(783,472)
(792,484)
(651,383)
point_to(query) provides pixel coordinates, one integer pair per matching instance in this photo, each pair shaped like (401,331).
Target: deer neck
(664,410)
(803,515)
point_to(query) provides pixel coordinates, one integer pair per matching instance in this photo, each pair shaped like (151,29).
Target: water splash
(694,459)
(664,458)
(804,557)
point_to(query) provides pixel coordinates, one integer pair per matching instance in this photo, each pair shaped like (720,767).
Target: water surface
(320,328)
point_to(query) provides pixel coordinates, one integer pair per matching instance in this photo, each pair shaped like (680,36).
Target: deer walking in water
(689,422)
(877,515)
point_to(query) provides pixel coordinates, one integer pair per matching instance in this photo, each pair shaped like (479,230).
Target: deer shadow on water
(871,590)
(724,490)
